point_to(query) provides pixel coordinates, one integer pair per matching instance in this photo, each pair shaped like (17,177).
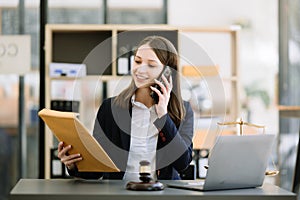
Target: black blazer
(112,130)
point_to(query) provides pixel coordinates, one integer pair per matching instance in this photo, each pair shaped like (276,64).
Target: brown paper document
(67,128)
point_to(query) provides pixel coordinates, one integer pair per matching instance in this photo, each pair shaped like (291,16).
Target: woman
(131,127)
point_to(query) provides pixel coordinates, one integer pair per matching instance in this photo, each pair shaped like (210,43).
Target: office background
(268,61)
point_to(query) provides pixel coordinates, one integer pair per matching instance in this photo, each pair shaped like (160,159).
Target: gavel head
(145,171)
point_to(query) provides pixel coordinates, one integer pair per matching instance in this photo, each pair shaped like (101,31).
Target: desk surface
(63,189)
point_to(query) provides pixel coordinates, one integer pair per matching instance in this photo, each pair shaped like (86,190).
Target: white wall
(258,44)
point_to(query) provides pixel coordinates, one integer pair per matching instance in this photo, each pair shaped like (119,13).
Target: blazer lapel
(123,120)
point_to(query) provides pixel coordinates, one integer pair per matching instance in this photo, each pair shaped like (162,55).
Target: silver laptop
(234,162)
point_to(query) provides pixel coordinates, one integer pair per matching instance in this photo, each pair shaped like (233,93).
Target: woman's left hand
(164,95)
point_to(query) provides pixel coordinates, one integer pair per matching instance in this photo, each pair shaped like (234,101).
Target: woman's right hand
(68,159)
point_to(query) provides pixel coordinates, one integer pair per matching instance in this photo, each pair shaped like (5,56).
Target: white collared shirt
(143,140)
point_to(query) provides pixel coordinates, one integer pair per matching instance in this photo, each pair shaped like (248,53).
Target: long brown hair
(167,54)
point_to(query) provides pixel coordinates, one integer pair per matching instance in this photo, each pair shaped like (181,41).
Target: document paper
(67,128)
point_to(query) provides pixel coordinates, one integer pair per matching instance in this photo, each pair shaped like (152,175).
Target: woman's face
(146,66)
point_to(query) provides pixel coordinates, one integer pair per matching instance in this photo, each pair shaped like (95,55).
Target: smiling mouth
(144,81)
(141,78)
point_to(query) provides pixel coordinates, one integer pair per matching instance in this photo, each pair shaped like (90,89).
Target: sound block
(142,186)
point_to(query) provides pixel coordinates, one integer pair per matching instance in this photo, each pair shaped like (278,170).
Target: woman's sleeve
(175,144)
(85,175)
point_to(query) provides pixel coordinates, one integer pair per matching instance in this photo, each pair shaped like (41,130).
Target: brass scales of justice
(241,123)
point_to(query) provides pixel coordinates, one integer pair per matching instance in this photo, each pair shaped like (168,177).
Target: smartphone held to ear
(167,73)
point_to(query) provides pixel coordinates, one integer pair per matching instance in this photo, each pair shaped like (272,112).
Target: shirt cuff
(160,122)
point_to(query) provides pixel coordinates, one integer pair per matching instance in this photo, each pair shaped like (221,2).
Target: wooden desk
(64,189)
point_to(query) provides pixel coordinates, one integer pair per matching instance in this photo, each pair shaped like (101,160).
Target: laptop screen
(238,161)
